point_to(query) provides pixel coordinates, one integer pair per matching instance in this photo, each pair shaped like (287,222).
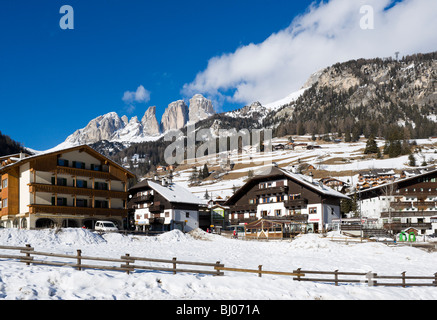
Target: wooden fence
(126,262)
(130,264)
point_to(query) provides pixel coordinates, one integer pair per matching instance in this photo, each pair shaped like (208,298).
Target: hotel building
(66,188)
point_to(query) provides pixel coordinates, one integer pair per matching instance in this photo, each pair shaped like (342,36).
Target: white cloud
(141,95)
(329,32)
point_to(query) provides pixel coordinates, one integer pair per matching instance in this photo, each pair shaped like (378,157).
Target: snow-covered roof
(175,193)
(314,185)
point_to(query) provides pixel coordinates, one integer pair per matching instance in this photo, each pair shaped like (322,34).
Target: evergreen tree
(411,160)
(205,172)
(371,146)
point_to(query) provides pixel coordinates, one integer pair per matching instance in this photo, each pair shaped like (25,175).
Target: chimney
(311,177)
(164,182)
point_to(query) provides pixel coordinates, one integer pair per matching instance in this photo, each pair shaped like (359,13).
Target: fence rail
(126,262)
(130,264)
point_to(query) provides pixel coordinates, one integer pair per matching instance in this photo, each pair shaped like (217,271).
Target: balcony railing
(48,188)
(397,226)
(272,190)
(296,203)
(86,211)
(156,207)
(406,214)
(82,172)
(145,198)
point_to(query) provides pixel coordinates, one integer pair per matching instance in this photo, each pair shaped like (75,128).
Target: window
(5,203)
(278,212)
(5,183)
(101,204)
(60,182)
(312,210)
(81,183)
(187,214)
(78,165)
(100,185)
(96,167)
(60,202)
(83,203)
(62,163)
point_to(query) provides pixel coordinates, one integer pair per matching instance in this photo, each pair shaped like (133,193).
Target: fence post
(127,263)
(260,267)
(298,272)
(403,279)
(336,277)
(79,260)
(174,265)
(28,254)
(369,277)
(218,270)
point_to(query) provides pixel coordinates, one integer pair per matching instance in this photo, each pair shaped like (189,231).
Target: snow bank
(68,236)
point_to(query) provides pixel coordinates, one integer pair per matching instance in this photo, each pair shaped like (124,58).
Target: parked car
(105,226)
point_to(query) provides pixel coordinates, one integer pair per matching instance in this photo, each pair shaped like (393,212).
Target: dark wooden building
(280,194)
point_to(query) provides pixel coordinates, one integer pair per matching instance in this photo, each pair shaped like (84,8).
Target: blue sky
(54,81)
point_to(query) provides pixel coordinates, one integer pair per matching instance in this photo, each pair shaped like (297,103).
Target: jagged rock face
(134,128)
(149,122)
(200,108)
(175,116)
(100,128)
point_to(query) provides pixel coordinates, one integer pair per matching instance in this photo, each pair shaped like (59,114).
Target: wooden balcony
(157,207)
(397,226)
(407,214)
(81,211)
(83,173)
(244,208)
(296,203)
(141,199)
(48,188)
(272,190)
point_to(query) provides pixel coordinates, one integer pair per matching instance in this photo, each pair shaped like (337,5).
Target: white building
(164,206)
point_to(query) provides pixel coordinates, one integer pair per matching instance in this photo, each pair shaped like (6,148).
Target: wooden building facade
(66,188)
(280,194)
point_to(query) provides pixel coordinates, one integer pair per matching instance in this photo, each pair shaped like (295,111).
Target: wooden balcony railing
(38,208)
(272,190)
(397,226)
(406,214)
(145,198)
(83,172)
(48,188)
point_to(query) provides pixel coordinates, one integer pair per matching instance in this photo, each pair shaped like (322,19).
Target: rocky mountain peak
(149,122)
(175,116)
(200,108)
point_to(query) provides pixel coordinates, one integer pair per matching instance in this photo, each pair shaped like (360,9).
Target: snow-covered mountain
(113,128)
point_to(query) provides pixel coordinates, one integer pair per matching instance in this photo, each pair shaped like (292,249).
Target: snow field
(18,281)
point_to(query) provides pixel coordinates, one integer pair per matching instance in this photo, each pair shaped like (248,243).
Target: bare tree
(388,190)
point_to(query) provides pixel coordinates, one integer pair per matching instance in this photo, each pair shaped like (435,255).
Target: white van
(105,226)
